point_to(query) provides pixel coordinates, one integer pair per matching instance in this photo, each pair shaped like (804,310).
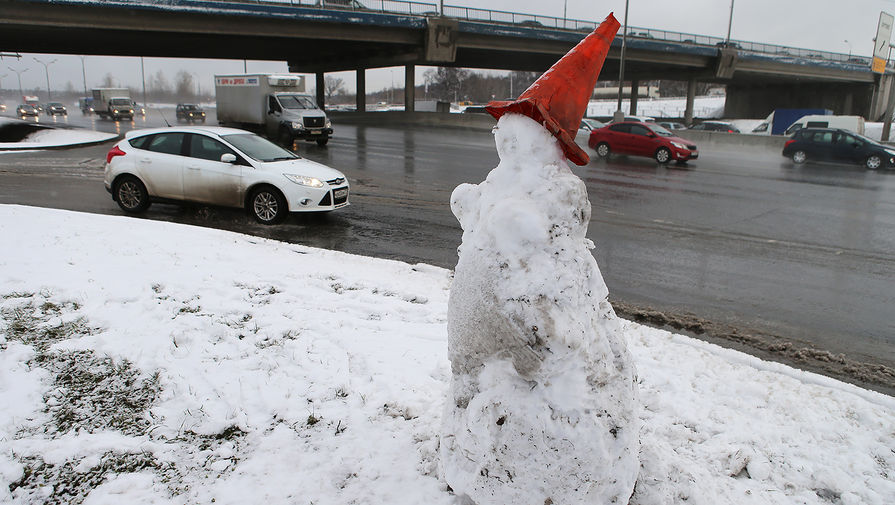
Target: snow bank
(279,373)
(54,137)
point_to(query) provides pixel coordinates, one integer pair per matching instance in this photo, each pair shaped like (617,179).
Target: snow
(542,406)
(259,371)
(658,108)
(44,138)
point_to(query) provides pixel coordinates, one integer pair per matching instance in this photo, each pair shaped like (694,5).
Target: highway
(740,247)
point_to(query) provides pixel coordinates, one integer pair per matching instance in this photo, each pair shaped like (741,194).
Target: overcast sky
(828,25)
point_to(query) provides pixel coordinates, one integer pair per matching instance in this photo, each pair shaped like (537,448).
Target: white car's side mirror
(228,158)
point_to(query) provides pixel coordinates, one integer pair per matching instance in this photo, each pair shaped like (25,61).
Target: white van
(853,123)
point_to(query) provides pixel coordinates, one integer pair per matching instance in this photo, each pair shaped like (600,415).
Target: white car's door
(206,178)
(160,161)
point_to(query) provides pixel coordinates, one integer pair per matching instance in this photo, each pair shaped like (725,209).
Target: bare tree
(108,81)
(332,86)
(184,84)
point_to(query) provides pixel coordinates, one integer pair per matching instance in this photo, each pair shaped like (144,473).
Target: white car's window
(206,148)
(167,143)
(140,142)
(258,148)
(660,131)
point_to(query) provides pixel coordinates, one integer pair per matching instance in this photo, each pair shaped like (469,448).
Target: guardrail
(555,23)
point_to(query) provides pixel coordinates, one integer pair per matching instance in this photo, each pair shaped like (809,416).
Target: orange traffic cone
(558,99)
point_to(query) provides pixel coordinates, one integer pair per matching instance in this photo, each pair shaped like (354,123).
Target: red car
(641,139)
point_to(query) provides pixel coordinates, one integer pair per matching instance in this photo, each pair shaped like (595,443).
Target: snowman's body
(542,405)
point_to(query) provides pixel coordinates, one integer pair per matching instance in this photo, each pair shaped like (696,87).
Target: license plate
(340,193)
(316,132)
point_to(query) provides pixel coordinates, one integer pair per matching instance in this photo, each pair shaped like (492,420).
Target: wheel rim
(874,162)
(602,150)
(265,205)
(129,194)
(663,155)
(799,156)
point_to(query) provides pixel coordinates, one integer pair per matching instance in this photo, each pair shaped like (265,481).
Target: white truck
(113,103)
(273,104)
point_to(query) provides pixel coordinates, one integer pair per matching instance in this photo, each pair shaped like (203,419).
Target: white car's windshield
(296,102)
(258,148)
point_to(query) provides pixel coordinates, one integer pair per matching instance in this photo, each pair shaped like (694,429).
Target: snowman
(542,406)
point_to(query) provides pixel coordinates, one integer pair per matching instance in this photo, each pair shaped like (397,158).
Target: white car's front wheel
(267,205)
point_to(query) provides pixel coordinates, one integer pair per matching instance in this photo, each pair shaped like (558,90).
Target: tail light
(115,151)
(790,141)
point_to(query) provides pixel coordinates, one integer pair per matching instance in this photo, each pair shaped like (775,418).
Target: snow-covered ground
(148,362)
(703,107)
(53,137)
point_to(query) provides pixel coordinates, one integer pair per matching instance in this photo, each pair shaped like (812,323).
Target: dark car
(190,112)
(838,145)
(54,108)
(26,110)
(716,126)
(642,139)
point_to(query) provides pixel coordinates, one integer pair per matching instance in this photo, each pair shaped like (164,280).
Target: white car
(219,166)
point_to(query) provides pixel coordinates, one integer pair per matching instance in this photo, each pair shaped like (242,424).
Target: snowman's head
(521,139)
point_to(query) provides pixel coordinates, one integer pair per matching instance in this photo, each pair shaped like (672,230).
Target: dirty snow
(43,138)
(150,362)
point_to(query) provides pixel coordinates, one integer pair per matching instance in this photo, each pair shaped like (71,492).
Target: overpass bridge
(319,36)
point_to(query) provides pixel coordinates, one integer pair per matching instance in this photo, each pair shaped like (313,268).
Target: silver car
(219,166)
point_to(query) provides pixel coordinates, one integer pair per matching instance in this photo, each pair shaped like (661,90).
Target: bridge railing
(578,25)
(537,21)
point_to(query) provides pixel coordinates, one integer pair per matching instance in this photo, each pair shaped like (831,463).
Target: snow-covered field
(148,362)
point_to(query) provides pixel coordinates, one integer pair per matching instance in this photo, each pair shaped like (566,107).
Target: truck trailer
(113,103)
(273,104)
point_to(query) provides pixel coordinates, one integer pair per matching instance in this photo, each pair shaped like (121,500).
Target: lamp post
(565,6)
(84,72)
(619,115)
(730,22)
(46,65)
(19,74)
(849,47)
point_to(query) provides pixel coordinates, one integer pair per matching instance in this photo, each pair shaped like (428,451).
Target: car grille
(691,147)
(336,182)
(314,122)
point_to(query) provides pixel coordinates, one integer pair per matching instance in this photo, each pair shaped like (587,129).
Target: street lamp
(19,73)
(47,70)
(619,115)
(730,22)
(849,47)
(84,73)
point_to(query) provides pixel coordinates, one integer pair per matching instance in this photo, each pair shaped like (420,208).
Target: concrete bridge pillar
(691,98)
(361,85)
(635,84)
(321,91)
(409,87)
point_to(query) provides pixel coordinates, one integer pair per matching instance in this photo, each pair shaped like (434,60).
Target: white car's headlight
(305,180)
(679,145)
(329,124)
(296,125)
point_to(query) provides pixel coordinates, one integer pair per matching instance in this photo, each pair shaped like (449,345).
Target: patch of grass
(67,485)
(93,394)
(34,323)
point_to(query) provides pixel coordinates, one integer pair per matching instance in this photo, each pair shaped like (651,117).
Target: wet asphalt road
(792,263)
